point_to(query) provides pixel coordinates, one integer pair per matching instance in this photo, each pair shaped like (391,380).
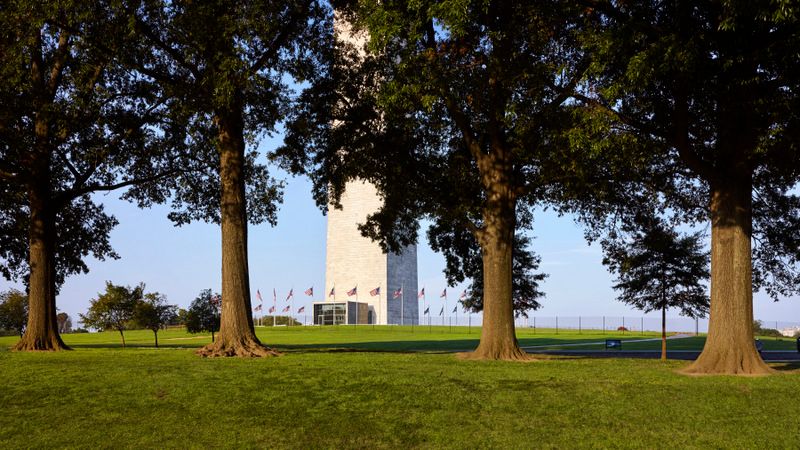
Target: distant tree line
(473,115)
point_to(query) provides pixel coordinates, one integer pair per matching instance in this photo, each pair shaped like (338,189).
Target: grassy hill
(340,387)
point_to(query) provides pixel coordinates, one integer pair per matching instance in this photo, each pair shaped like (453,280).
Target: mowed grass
(338,387)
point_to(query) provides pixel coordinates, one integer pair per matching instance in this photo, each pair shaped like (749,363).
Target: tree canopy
(203,314)
(224,69)
(13,311)
(73,122)
(153,312)
(710,90)
(454,112)
(113,309)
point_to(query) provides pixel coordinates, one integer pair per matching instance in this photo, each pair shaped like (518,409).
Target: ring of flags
(217,300)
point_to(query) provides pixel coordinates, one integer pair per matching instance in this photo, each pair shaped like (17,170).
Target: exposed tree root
(495,353)
(242,348)
(52,343)
(729,362)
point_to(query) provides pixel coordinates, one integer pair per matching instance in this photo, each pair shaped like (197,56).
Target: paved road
(690,355)
(772,356)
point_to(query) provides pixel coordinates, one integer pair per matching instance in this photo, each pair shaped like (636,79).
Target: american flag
(301,309)
(397,293)
(257,308)
(444,294)
(258,296)
(352,292)
(454,309)
(442,311)
(309,292)
(374,292)
(288,307)
(291,294)
(333,292)
(427,310)
(271,309)
(421,293)
(274,296)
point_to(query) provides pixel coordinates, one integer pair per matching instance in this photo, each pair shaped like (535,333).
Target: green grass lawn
(384,396)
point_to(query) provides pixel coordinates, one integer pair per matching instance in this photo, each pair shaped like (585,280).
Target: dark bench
(614,344)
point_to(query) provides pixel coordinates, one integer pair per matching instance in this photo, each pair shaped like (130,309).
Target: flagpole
(402,310)
(274,306)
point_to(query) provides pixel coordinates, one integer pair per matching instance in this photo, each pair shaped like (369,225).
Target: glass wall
(329,313)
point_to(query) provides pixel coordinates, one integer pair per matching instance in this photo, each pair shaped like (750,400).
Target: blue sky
(179,262)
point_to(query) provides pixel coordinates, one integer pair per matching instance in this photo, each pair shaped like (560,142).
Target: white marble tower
(356,261)
(353,261)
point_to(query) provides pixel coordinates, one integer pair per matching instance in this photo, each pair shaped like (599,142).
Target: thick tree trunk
(664,333)
(498,336)
(41,332)
(236,334)
(729,348)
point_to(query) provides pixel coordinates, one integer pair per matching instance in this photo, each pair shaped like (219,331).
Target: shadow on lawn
(787,367)
(109,345)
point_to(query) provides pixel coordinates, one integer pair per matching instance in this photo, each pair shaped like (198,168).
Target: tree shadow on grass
(787,367)
(110,345)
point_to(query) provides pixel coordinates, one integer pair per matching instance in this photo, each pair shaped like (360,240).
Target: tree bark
(236,334)
(664,333)
(729,347)
(498,336)
(122,335)
(155,334)
(41,332)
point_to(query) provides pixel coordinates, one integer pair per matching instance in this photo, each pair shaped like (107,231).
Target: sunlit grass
(317,395)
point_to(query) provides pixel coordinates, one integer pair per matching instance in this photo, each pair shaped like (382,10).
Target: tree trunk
(664,333)
(155,334)
(236,334)
(729,347)
(123,336)
(498,336)
(41,332)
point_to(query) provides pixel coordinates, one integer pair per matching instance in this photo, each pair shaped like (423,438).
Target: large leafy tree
(13,311)
(463,261)
(153,312)
(113,309)
(203,314)
(712,90)
(658,269)
(452,113)
(73,122)
(225,69)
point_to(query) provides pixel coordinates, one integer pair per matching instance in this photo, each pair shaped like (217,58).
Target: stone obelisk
(354,261)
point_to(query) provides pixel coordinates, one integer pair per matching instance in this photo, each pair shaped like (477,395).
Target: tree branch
(59,61)
(153,37)
(280,39)
(70,194)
